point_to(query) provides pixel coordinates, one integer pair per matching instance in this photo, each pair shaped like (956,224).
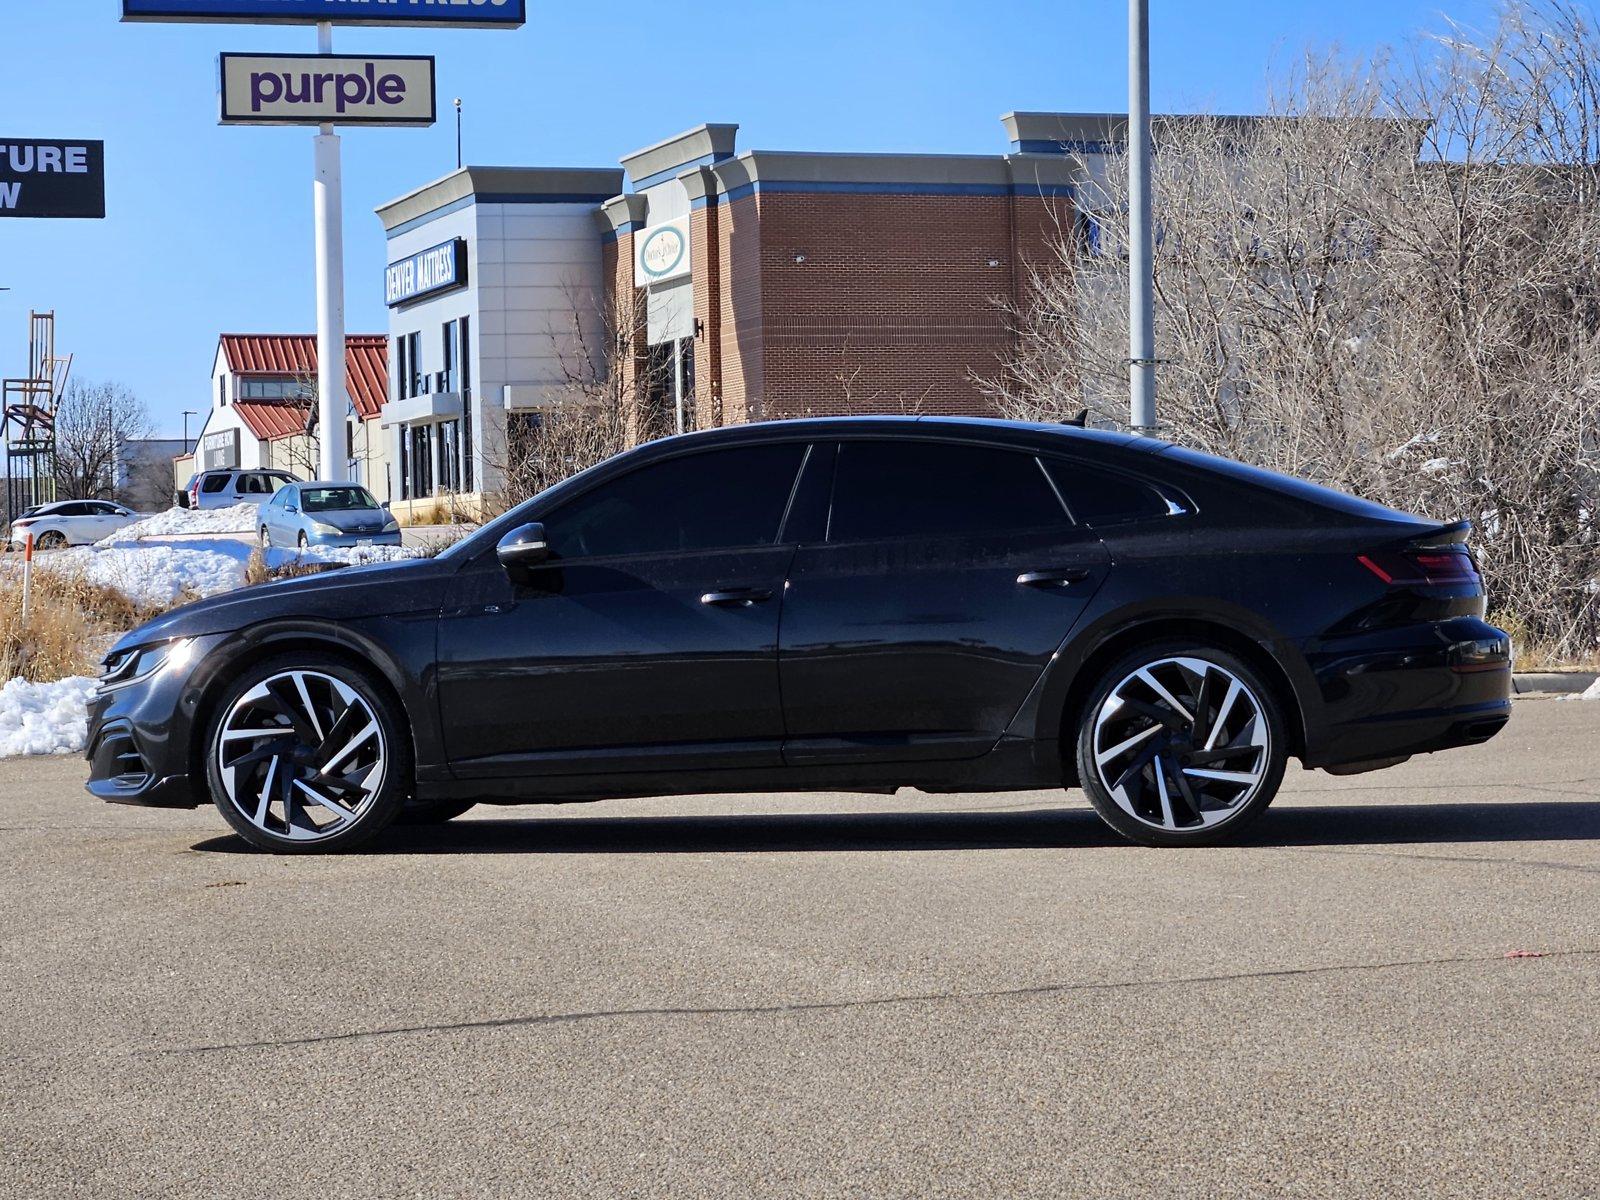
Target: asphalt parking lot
(820,996)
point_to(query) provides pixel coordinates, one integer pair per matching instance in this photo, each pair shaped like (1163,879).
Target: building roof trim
(500,185)
(889,174)
(701,145)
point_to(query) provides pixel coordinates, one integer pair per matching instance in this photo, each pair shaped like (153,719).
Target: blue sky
(209,229)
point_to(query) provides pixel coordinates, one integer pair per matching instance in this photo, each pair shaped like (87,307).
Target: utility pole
(1141,232)
(328,192)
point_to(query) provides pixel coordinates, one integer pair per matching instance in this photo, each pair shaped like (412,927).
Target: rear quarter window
(213,483)
(1100,498)
(1287,486)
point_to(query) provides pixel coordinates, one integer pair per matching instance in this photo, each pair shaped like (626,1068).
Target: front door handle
(1062,577)
(741,597)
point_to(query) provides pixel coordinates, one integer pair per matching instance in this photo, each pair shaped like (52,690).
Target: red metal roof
(366,361)
(273,419)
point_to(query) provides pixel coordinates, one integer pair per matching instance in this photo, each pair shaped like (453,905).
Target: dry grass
(256,569)
(70,626)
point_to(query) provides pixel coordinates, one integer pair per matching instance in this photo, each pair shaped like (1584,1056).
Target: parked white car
(224,489)
(70,523)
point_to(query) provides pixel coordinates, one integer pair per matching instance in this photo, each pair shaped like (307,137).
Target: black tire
(391,747)
(1203,810)
(433,812)
(51,539)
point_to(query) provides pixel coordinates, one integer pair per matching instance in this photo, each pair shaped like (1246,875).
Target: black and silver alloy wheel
(1180,747)
(303,756)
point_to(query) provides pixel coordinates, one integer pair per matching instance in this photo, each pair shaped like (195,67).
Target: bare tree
(1391,284)
(599,406)
(94,423)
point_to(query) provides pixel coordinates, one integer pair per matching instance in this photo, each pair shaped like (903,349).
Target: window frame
(1068,521)
(807,444)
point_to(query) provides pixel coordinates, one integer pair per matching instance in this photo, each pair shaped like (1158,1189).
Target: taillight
(1423,568)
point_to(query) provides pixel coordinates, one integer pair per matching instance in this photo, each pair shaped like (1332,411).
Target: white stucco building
(488,270)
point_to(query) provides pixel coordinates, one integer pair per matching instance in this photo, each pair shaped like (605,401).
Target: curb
(1552,681)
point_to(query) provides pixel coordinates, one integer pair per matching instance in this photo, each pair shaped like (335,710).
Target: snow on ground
(156,573)
(238,518)
(1593,693)
(44,718)
(184,553)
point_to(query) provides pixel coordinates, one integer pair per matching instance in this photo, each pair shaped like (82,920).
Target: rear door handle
(742,597)
(1062,577)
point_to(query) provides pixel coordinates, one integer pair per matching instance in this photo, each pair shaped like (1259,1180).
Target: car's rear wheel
(51,539)
(307,754)
(1181,744)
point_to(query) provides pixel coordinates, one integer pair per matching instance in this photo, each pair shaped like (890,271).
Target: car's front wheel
(1181,744)
(307,754)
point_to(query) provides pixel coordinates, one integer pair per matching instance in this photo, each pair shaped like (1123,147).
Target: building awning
(438,406)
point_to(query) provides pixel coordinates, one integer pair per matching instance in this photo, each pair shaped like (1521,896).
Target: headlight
(142,662)
(391,526)
(327,530)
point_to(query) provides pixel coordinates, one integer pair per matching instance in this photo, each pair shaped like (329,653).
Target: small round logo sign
(662,252)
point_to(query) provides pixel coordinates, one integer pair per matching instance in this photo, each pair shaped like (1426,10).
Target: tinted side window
(1104,497)
(214,483)
(73,510)
(722,498)
(937,489)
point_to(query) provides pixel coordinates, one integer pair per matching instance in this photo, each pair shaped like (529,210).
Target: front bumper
(1413,689)
(351,541)
(140,737)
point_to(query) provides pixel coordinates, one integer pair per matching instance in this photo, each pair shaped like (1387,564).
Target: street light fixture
(187,413)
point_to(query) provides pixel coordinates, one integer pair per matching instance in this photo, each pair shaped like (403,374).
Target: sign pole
(328,189)
(1141,233)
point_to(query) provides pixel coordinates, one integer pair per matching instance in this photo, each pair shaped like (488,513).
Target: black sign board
(46,178)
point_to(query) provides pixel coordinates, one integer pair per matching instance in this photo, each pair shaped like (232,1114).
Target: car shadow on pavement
(1350,825)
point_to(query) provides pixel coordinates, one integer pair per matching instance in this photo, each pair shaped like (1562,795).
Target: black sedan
(843,605)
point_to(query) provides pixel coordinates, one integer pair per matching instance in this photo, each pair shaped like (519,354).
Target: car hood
(350,518)
(376,589)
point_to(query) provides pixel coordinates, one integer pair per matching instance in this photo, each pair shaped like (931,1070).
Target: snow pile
(159,572)
(354,556)
(44,718)
(182,522)
(1593,693)
(156,573)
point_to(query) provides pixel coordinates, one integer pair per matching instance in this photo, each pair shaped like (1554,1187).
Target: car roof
(956,428)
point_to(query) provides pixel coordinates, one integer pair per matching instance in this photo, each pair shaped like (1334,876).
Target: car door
(103,520)
(949,574)
(648,641)
(275,516)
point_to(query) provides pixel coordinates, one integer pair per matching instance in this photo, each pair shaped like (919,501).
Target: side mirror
(290,508)
(523,547)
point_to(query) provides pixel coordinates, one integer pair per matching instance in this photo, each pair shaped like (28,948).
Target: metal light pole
(458,133)
(328,190)
(1141,233)
(187,413)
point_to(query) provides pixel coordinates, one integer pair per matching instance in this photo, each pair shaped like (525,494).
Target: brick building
(765,284)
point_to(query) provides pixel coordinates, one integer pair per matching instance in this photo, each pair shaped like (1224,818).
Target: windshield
(336,499)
